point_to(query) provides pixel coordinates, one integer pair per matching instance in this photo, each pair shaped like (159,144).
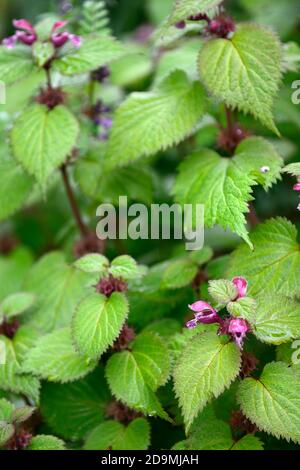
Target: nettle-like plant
(98,341)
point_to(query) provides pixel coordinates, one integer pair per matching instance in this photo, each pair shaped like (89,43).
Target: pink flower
(10,41)
(203,313)
(59,25)
(25,33)
(59,39)
(76,40)
(241,285)
(296,187)
(24,25)
(238,328)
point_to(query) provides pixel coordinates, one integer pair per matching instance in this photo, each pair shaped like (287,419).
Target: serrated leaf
(124,267)
(94,52)
(244,72)
(43,442)
(54,358)
(42,139)
(179,274)
(58,288)
(245,307)
(97,322)
(223,291)
(15,304)
(73,410)
(6,432)
(274,265)
(276,319)
(185,8)
(22,414)
(207,366)
(272,402)
(218,183)
(136,436)
(14,64)
(12,175)
(151,121)
(292,169)
(133,376)
(6,410)
(248,442)
(92,263)
(43,52)
(12,376)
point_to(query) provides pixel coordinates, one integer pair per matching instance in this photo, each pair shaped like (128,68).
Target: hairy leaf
(43,442)
(14,64)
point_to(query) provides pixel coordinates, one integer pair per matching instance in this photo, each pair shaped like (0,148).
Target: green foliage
(251,57)
(46,443)
(15,64)
(171,111)
(94,17)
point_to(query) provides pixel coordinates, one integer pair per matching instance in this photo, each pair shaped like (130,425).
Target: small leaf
(223,291)
(292,169)
(94,52)
(207,366)
(54,358)
(16,304)
(97,322)
(248,442)
(245,307)
(21,415)
(273,401)
(15,64)
(179,274)
(79,406)
(43,52)
(133,376)
(42,442)
(42,139)
(6,432)
(6,410)
(171,112)
(92,263)
(183,9)
(250,67)
(124,267)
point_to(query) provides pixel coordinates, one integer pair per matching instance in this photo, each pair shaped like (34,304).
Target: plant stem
(75,209)
(229,119)
(252,216)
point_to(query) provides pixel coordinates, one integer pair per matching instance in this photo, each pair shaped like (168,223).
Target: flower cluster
(221,27)
(204,313)
(26,34)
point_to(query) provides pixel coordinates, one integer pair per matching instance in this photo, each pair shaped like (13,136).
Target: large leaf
(245,71)
(134,376)
(111,434)
(54,358)
(12,375)
(151,121)
(58,288)
(42,139)
(73,410)
(207,366)
(14,64)
(13,176)
(274,265)
(273,401)
(97,322)
(95,51)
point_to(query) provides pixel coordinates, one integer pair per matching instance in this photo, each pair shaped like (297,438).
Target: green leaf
(42,139)
(6,410)
(58,288)
(13,270)
(97,322)
(92,263)
(12,175)
(223,291)
(255,153)
(15,64)
(54,358)
(111,434)
(124,267)
(6,432)
(94,17)
(250,67)
(273,401)
(293,169)
(151,121)
(184,8)
(245,307)
(79,406)
(42,442)
(20,415)
(15,304)
(207,366)
(274,265)
(218,183)
(13,378)
(133,376)
(94,52)
(248,442)
(276,319)
(43,52)
(179,274)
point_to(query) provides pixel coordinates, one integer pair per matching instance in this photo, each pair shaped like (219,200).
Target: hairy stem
(75,209)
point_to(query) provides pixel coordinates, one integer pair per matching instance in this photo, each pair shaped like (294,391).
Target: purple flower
(10,41)
(298,207)
(76,40)
(203,313)
(238,328)
(59,39)
(25,33)
(180,25)
(241,286)
(296,187)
